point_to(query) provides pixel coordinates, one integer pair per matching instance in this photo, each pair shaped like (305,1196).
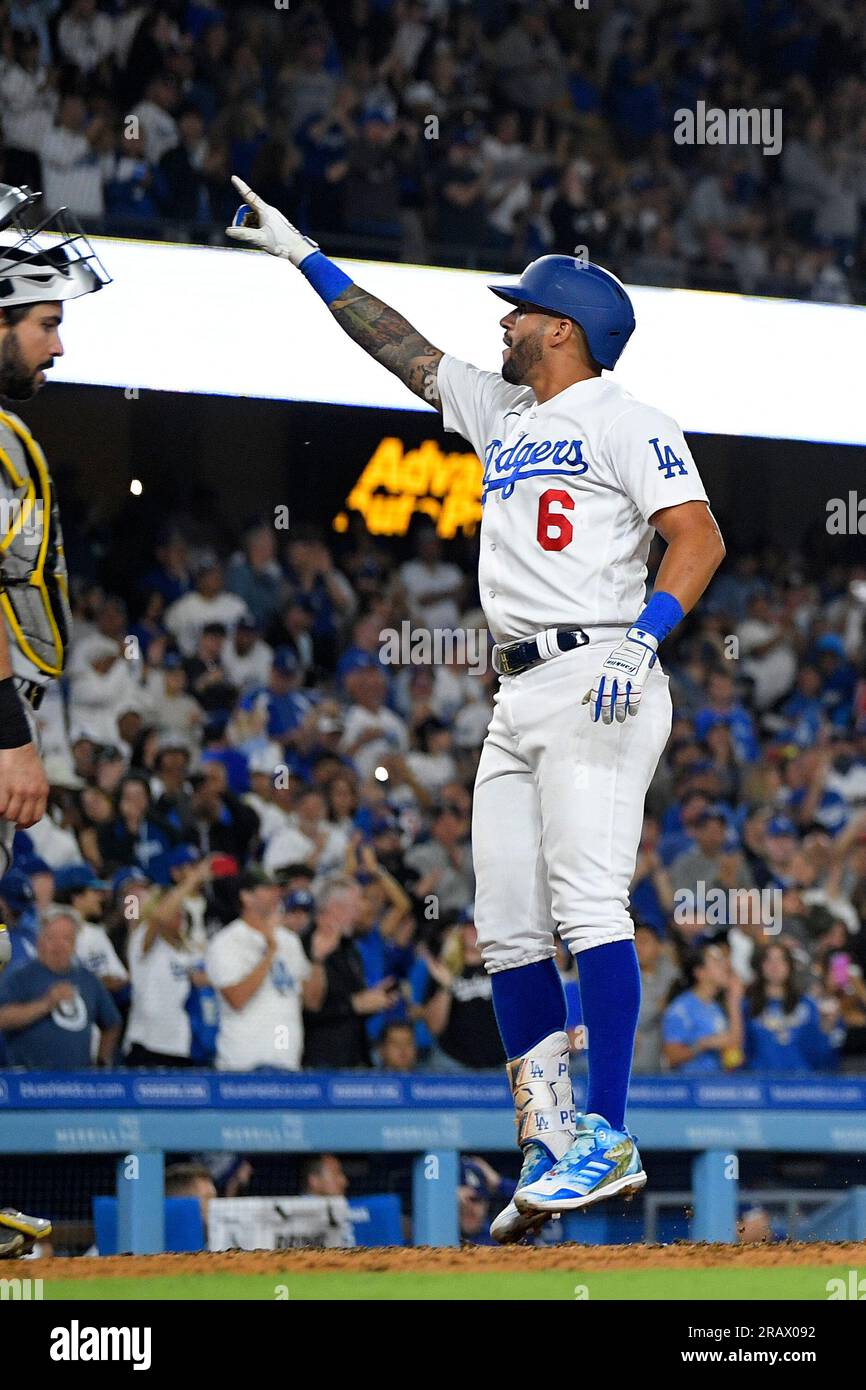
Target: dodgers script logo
(504,468)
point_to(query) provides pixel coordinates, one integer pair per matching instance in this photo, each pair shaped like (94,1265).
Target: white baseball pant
(558,809)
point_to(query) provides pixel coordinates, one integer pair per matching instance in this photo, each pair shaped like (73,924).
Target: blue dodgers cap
(782,825)
(74,878)
(16,890)
(383,824)
(130,873)
(285,661)
(181,855)
(162,864)
(300,901)
(830,642)
(472,1176)
(376,113)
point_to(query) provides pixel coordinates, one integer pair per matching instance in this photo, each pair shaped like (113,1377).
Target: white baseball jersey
(94,950)
(158,1019)
(569,487)
(269,1031)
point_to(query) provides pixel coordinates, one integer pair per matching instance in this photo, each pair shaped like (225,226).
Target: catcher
(35,279)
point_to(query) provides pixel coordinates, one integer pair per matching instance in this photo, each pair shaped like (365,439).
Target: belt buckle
(501,660)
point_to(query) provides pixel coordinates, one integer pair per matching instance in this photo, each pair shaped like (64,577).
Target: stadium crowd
(257,851)
(459,131)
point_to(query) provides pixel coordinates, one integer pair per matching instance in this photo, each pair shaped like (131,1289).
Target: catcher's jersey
(569,487)
(34,600)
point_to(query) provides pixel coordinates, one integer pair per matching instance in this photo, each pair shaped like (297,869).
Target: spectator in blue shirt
(696,1029)
(781,845)
(20,913)
(287,705)
(803,712)
(171,576)
(784,1029)
(838,678)
(384,932)
(723,708)
(255,575)
(136,835)
(806,799)
(49,1006)
(327,593)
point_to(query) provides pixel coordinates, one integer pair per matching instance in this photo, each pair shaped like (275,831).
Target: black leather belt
(32,693)
(514,657)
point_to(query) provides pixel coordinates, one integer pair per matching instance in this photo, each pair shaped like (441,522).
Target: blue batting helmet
(581,291)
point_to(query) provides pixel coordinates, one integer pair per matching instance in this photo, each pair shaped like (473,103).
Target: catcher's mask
(34,273)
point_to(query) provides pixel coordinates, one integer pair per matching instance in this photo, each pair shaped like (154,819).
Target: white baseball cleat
(512,1224)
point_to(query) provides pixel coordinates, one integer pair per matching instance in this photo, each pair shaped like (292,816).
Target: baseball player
(578,475)
(35,279)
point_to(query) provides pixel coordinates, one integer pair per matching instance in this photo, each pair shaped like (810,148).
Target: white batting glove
(257,224)
(619,684)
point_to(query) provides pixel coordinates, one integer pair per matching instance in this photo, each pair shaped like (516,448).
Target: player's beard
(17,380)
(522,357)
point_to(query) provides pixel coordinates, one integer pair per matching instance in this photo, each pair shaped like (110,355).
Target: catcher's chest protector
(34,593)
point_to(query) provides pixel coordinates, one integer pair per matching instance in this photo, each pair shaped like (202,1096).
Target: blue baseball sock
(610,1002)
(530,1004)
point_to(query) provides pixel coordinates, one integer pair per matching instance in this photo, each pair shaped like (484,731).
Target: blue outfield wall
(150,1113)
(140,1090)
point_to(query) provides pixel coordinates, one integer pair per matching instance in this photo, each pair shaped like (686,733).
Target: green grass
(795,1282)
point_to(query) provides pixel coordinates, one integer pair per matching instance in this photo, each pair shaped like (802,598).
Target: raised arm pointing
(373,325)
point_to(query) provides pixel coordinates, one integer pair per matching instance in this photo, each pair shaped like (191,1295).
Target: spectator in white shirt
(166,959)
(157,125)
(433,588)
(265,765)
(511,167)
(433,764)
(85,36)
(265,981)
(27,103)
(371,730)
(209,602)
(99,694)
(72,164)
(55,840)
(768,651)
(173,709)
(112,621)
(308,838)
(246,659)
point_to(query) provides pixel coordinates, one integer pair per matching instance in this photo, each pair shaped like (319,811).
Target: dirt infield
(481,1259)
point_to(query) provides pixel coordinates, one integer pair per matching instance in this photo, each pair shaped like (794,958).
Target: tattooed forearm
(391,340)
